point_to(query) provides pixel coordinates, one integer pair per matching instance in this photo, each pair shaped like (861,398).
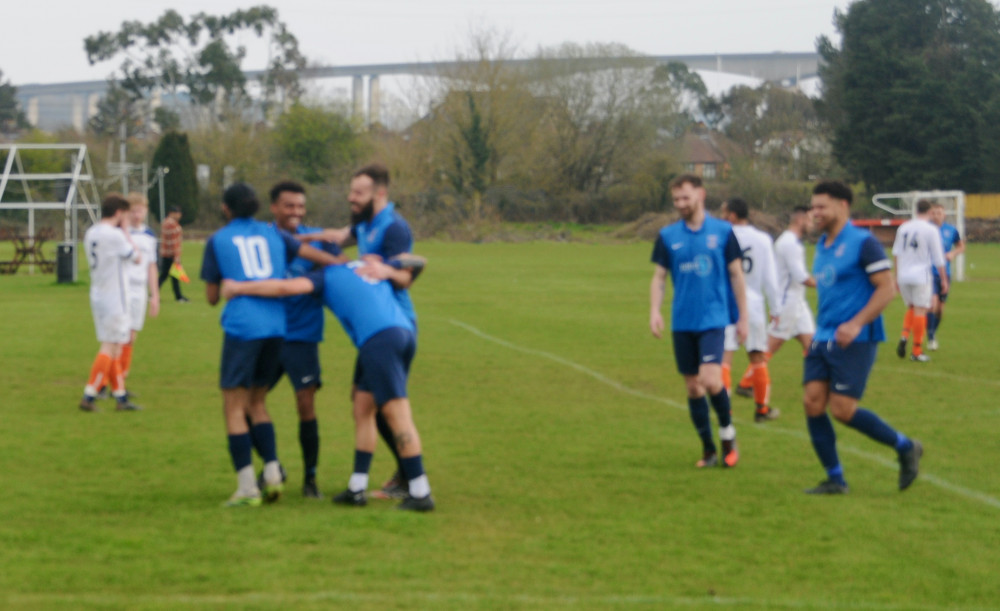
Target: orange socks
(907,323)
(100,372)
(126,359)
(761,384)
(727,377)
(919,328)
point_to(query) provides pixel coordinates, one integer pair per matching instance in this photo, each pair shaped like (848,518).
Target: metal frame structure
(81,180)
(909,207)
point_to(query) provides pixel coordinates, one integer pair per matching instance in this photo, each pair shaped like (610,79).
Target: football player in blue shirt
(854,285)
(246,249)
(953,244)
(386,342)
(705,264)
(304,315)
(380,232)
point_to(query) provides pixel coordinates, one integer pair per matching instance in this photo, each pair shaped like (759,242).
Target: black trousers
(165,263)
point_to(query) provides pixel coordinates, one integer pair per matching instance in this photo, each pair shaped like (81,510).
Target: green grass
(557,442)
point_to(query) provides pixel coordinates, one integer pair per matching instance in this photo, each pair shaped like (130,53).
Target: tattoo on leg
(402,440)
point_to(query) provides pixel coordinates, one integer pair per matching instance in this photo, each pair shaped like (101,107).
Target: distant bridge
(50,106)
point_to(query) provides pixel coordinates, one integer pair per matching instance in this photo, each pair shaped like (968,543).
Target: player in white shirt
(793,277)
(143,287)
(109,248)
(916,249)
(761,284)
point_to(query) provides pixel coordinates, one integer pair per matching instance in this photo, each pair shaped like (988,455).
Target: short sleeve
(396,240)
(210,265)
(292,245)
(661,254)
(733,250)
(872,257)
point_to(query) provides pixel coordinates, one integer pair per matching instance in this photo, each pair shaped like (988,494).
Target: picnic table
(27,249)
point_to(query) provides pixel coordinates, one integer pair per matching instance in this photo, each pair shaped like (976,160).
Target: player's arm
(657,289)
(405,265)
(734,264)
(879,270)
(210,273)
(154,289)
(320,257)
(302,285)
(398,241)
(341,236)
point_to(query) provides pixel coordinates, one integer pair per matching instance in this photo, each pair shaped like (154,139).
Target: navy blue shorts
(846,369)
(942,297)
(692,349)
(249,363)
(300,360)
(383,364)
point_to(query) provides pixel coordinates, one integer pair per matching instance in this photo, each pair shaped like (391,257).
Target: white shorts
(796,319)
(756,337)
(137,310)
(111,323)
(918,295)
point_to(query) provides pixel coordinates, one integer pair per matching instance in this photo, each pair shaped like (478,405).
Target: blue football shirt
(247,249)
(841,271)
(304,313)
(697,262)
(362,306)
(949,237)
(387,235)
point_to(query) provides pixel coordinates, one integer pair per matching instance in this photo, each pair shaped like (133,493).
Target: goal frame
(907,206)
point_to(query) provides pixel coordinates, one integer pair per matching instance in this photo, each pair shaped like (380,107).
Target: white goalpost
(70,188)
(905,204)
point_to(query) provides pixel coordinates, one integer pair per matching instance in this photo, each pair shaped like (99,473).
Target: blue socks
(264,441)
(870,424)
(309,440)
(362,461)
(241,450)
(824,440)
(702,423)
(722,407)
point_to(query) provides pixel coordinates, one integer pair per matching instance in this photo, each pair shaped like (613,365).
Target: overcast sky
(41,41)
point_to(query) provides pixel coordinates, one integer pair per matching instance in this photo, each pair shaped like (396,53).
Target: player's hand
(374,269)
(846,333)
(154,306)
(656,324)
(945,285)
(742,330)
(230,289)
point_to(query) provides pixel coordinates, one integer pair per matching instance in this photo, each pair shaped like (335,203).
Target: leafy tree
(314,141)
(118,107)
(597,113)
(913,93)
(12,118)
(180,184)
(201,57)
(675,93)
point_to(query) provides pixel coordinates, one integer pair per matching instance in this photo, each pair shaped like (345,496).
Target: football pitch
(558,446)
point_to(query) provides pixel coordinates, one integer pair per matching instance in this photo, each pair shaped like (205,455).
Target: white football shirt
(917,247)
(758,267)
(138,273)
(107,250)
(790,267)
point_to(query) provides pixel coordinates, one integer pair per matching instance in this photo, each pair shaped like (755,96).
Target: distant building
(706,153)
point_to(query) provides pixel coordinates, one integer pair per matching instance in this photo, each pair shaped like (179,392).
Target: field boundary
(973,495)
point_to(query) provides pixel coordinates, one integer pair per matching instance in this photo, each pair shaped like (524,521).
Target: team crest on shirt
(827,276)
(712,241)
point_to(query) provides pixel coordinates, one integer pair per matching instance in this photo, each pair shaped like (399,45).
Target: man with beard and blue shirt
(250,250)
(380,233)
(704,260)
(386,342)
(855,284)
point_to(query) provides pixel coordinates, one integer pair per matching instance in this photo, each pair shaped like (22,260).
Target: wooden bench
(27,249)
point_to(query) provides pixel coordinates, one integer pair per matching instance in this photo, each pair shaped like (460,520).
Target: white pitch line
(968,493)
(929,373)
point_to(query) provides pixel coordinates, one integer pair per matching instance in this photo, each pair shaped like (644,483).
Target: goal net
(905,205)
